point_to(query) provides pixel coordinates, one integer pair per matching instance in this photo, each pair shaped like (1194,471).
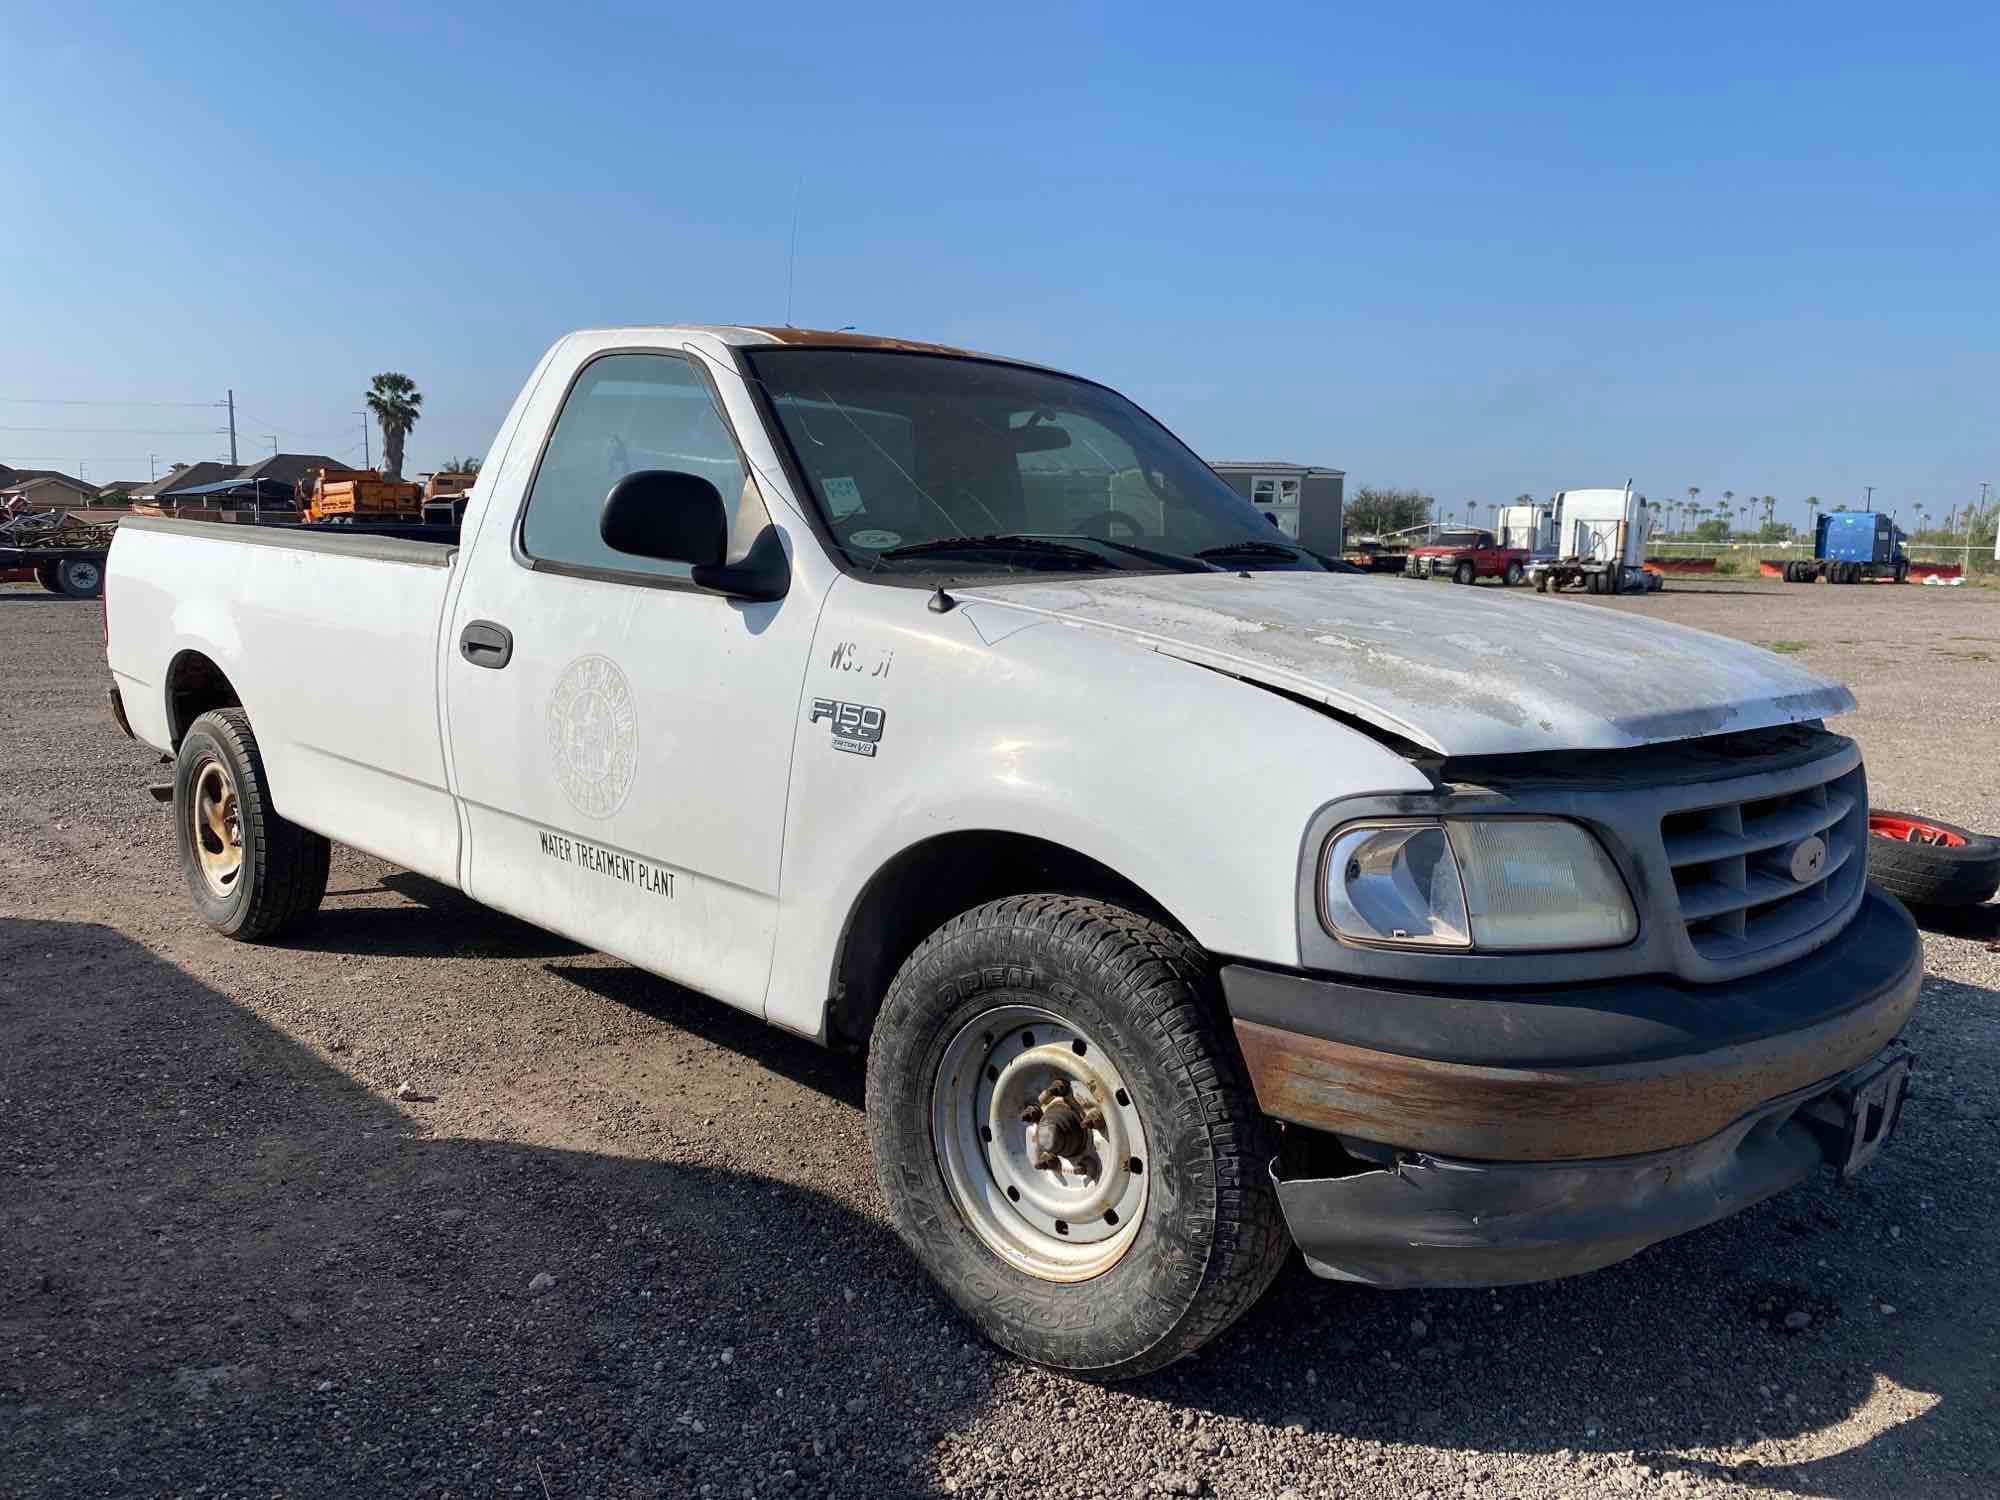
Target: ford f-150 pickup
(1188,899)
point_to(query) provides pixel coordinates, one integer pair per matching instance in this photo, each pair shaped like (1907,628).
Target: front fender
(1192,785)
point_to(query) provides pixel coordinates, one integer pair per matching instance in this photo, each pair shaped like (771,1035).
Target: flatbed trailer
(75,571)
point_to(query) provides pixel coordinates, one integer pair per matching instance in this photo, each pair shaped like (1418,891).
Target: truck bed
(342,679)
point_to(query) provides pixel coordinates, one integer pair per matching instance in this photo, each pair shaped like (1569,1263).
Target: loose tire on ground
(1465,572)
(80,577)
(252,874)
(1928,863)
(1541,583)
(1209,1236)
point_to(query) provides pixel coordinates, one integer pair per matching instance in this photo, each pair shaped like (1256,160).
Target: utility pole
(365,463)
(272,439)
(153,464)
(232,429)
(1869,502)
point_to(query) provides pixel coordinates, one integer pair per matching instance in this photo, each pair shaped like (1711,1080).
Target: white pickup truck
(1191,895)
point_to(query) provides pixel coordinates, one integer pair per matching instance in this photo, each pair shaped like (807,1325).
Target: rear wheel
(1541,583)
(252,874)
(1513,575)
(1928,863)
(45,575)
(79,577)
(1065,1138)
(1464,572)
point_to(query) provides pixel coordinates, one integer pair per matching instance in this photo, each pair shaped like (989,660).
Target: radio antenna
(792,260)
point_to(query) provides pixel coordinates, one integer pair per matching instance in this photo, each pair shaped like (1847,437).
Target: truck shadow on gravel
(227,1263)
(449,924)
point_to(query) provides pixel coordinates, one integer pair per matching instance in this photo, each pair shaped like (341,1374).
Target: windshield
(929,463)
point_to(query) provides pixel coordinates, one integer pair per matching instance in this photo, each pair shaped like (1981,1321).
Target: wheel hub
(1041,1142)
(217,827)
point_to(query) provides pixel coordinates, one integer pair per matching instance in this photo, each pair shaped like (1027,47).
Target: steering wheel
(1103,523)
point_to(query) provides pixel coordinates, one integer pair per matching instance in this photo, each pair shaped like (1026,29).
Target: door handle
(486,644)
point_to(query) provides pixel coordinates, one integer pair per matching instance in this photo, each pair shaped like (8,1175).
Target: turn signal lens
(1535,884)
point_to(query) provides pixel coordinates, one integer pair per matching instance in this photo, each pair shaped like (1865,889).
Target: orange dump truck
(359,495)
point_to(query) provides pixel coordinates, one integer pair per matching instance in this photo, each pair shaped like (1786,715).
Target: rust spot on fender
(1554,1114)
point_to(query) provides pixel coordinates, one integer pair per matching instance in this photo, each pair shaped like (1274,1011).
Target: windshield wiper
(1002,542)
(1249,547)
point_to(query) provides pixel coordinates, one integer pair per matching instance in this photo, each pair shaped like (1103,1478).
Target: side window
(626,412)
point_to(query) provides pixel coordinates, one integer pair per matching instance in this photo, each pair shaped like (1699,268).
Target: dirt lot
(233,1261)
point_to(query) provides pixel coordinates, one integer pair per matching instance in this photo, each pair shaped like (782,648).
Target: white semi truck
(1600,544)
(1188,899)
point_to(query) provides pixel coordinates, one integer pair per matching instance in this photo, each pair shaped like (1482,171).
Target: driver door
(623,763)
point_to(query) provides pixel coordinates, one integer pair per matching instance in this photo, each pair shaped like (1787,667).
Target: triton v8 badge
(857,727)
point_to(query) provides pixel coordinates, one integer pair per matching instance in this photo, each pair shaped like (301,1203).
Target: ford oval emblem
(1808,858)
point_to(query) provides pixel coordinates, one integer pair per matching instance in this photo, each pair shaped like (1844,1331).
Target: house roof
(1272,466)
(23,482)
(183,475)
(14,478)
(289,468)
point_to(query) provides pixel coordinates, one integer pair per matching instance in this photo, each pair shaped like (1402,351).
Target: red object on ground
(1912,831)
(1665,565)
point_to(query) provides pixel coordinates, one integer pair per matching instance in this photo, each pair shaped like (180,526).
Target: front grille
(1734,868)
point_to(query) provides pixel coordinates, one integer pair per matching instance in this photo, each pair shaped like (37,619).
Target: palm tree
(394,400)
(1812,512)
(459,466)
(1770,506)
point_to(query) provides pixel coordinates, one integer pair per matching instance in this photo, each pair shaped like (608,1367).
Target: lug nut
(1047,1162)
(1031,1114)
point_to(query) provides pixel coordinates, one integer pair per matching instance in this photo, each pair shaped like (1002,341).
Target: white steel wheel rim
(83,575)
(1068,1222)
(216,826)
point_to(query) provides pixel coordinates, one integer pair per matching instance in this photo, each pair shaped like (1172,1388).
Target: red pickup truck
(1464,556)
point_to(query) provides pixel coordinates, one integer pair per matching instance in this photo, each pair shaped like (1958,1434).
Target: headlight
(1488,883)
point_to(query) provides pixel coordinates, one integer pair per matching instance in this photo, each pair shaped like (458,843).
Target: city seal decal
(594,735)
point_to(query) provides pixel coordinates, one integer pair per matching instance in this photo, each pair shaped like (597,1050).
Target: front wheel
(1065,1137)
(253,875)
(1464,573)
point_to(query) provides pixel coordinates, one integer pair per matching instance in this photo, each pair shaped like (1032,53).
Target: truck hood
(1459,671)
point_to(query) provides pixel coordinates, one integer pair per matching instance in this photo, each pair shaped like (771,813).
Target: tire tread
(1165,981)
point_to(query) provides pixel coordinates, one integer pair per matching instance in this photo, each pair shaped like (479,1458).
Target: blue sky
(1477,249)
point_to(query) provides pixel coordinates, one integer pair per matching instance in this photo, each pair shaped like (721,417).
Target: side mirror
(666,515)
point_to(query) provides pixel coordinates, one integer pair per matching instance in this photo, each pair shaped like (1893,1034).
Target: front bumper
(1524,1137)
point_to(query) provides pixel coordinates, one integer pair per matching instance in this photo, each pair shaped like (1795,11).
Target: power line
(133,431)
(55,401)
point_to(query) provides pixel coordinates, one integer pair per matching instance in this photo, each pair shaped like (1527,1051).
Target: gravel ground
(429,1202)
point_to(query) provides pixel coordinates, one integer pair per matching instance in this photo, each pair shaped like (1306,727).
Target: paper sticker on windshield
(875,540)
(843,496)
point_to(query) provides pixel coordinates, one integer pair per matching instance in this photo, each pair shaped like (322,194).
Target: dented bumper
(1524,1137)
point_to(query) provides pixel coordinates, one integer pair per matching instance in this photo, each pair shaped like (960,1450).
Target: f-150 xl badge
(857,727)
